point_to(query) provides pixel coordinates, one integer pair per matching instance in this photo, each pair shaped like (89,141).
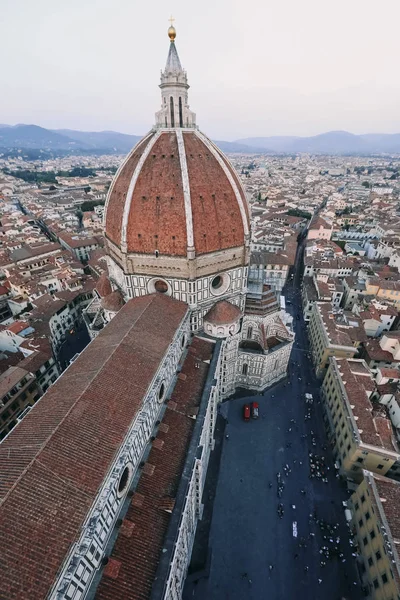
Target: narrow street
(252,552)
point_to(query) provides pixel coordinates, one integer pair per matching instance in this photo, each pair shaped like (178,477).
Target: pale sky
(255,67)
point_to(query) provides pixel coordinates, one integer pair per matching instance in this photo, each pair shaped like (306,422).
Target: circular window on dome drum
(219,284)
(161,286)
(216,282)
(125,480)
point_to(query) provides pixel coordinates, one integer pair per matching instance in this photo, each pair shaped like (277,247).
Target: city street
(253,553)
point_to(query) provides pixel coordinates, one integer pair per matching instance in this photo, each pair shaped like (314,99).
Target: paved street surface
(246,534)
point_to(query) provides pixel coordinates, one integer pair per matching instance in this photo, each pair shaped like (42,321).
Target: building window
(180,113)
(161,392)
(365,541)
(376,584)
(161,286)
(362,499)
(360,523)
(244,369)
(372,534)
(125,480)
(380,466)
(367,515)
(249,333)
(216,282)
(378,555)
(385,578)
(370,561)
(171,105)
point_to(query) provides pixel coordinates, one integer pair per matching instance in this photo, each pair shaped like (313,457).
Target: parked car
(254,410)
(246,412)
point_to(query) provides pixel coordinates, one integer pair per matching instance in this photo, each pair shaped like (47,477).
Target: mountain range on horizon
(34,137)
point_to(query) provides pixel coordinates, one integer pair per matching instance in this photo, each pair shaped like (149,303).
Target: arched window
(180,113)
(244,369)
(171,104)
(249,332)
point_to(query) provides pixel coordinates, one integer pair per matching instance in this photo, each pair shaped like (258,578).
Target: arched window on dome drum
(171,104)
(180,113)
(244,369)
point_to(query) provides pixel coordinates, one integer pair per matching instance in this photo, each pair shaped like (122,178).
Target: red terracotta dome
(176,192)
(113,302)
(223,313)
(103,286)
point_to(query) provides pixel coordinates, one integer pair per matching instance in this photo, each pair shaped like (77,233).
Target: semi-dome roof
(103,285)
(176,192)
(113,302)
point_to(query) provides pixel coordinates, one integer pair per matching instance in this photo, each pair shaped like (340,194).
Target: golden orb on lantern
(171,30)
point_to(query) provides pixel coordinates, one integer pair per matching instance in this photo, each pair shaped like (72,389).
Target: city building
(375,524)
(332,333)
(18,392)
(360,429)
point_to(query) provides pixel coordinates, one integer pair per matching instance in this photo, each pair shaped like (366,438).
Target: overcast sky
(256,67)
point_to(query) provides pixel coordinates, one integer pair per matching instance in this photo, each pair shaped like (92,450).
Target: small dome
(103,286)
(113,302)
(223,313)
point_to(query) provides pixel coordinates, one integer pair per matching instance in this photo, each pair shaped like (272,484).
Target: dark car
(246,412)
(254,410)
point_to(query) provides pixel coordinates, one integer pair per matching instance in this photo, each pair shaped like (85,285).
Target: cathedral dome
(176,194)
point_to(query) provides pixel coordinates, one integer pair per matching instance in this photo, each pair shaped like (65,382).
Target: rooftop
(67,443)
(373,424)
(135,563)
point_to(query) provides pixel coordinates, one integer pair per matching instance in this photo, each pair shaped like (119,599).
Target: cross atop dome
(174,86)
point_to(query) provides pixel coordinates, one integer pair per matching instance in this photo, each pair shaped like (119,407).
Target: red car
(246,412)
(254,410)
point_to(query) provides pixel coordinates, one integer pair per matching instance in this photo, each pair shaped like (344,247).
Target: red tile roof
(103,286)
(222,313)
(113,302)
(53,463)
(138,548)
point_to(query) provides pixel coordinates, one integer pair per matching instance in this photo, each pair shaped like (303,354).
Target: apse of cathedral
(101,483)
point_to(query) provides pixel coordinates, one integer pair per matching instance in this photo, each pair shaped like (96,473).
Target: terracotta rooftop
(390,373)
(138,548)
(53,462)
(222,313)
(372,351)
(113,302)
(9,379)
(373,425)
(103,286)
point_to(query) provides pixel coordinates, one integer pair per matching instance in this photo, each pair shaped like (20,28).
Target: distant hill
(32,136)
(119,142)
(65,141)
(332,142)
(239,147)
